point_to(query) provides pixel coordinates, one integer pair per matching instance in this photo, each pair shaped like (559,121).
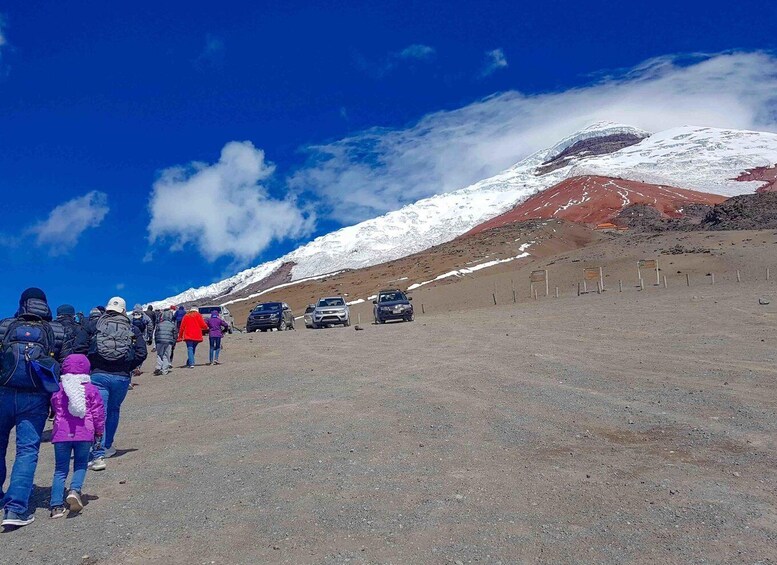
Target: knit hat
(95,312)
(32,293)
(66,309)
(77,364)
(117,304)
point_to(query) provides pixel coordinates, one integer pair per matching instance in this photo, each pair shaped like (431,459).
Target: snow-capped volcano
(699,158)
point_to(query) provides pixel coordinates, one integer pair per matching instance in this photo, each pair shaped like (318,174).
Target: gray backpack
(113,338)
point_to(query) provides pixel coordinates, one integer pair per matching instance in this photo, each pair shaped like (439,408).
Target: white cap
(117,304)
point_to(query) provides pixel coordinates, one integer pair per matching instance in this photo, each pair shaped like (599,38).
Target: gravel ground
(612,428)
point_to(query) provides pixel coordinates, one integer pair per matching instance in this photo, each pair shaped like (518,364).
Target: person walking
(79,419)
(192,326)
(28,348)
(66,317)
(164,337)
(116,348)
(179,314)
(216,328)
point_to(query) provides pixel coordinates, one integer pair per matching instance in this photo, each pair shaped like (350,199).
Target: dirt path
(613,428)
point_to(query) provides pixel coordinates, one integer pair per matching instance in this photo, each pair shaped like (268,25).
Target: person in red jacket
(192,326)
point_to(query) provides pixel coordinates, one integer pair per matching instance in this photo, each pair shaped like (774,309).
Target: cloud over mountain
(382,169)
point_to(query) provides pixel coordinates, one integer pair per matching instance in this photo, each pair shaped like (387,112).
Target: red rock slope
(768,175)
(594,200)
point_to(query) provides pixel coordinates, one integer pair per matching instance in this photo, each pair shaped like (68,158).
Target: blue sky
(124,132)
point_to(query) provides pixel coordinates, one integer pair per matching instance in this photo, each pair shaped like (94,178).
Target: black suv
(392,305)
(270,316)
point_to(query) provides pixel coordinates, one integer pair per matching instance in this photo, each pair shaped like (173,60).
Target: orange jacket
(192,326)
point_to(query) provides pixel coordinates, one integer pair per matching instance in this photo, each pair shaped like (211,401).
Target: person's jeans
(62,451)
(163,355)
(27,412)
(113,389)
(215,348)
(191,346)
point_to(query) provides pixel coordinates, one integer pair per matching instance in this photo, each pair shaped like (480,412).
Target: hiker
(153,320)
(66,317)
(79,420)
(115,349)
(179,314)
(164,337)
(28,371)
(192,326)
(216,326)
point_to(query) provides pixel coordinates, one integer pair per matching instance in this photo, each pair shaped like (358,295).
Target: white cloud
(495,60)
(382,169)
(62,229)
(222,208)
(417,51)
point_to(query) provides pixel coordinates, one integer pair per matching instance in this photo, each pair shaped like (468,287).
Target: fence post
(494,295)
(620,285)
(687,279)
(598,287)
(422,308)
(556,292)
(665,281)
(767,273)
(739,278)
(713,277)
(578,288)
(641,284)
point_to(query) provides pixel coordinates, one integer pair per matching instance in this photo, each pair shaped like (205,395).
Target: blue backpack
(27,356)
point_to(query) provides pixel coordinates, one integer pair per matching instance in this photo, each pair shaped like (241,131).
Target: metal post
(665,281)
(658,275)
(422,308)
(767,273)
(601,278)
(713,277)
(494,295)
(641,284)
(620,285)
(598,287)
(739,277)
(556,292)
(546,283)
(585,287)
(687,279)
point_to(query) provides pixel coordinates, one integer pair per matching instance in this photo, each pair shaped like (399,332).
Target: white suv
(331,311)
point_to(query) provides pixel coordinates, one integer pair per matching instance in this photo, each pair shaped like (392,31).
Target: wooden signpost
(648,264)
(594,274)
(540,276)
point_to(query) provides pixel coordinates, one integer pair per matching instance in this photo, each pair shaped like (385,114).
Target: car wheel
(282,326)
(347,323)
(410,318)
(314,326)
(262,331)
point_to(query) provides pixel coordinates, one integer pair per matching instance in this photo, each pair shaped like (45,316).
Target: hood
(167,316)
(137,309)
(76,363)
(214,314)
(33,303)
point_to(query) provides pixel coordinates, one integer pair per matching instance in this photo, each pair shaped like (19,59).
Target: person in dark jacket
(26,411)
(179,314)
(66,317)
(164,337)
(111,377)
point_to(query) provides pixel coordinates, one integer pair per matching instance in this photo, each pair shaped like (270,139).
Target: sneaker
(157,372)
(110,452)
(209,363)
(98,464)
(58,512)
(217,362)
(14,519)
(74,501)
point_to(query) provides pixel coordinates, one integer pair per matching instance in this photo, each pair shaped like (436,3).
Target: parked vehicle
(392,304)
(223,311)
(331,311)
(308,316)
(270,316)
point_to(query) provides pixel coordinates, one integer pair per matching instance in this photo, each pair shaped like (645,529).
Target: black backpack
(27,356)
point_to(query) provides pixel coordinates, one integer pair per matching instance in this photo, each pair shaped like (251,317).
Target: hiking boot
(17,520)
(74,501)
(98,464)
(58,512)
(110,451)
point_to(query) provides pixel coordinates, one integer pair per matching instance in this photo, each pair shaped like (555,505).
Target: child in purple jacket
(216,328)
(79,418)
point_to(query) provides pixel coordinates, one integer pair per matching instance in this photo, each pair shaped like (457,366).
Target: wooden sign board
(538,276)
(592,274)
(648,263)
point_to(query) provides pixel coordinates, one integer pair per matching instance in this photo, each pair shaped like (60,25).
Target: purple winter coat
(216,325)
(67,426)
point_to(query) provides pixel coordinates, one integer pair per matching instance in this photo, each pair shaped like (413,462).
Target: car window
(267,307)
(208,309)
(331,302)
(391,297)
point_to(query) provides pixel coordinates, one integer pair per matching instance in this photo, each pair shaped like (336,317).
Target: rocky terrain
(580,429)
